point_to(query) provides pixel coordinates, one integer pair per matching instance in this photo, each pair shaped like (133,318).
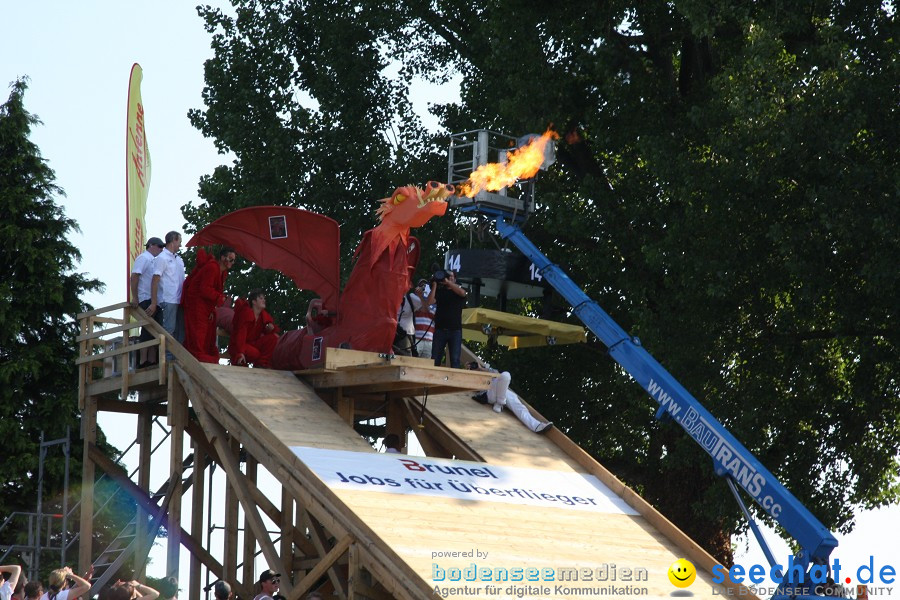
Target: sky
(78,56)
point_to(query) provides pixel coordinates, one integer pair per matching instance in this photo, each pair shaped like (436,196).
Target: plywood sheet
(512,536)
(499,438)
(498,534)
(289,409)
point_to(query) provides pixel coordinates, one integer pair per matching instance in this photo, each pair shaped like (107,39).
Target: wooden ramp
(494,511)
(418,539)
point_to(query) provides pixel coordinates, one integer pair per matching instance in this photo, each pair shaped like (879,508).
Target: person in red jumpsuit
(253,332)
(204,290)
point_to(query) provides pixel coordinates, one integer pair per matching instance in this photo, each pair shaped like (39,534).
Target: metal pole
(32,572)
(65,510)
(481,155)
(40,482)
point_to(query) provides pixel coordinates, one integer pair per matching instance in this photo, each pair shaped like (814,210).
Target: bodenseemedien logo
(607,579)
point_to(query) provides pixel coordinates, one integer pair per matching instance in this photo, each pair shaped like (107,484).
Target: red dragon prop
(305,245)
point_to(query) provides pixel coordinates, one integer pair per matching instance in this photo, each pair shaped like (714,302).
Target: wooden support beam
(343,358)
(139,320)
(286,524)
(236,482)
(345,406)
(320,541)
(373,593)
(369,405)
(145,449)
(383,576)
(124,366)
(395,423)
(161,355)
(100,311)
(325,564)
(177,419)
(131,408)
(411,379)
(84,371)
(227,452)
(353,571)
(441,434)
(297,536)
(87,357)
(113,384)
(86,533)
(249,550)
(429,444)
(197,512)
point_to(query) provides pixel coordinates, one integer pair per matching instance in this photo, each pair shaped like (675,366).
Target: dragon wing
(303,245)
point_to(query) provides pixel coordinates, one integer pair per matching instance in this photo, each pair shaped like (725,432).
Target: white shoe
(498,408)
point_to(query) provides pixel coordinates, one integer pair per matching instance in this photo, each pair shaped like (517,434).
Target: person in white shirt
(165,287)
(59,589)
(424,318)
(7,587)
(268,584)
(499,395)
(141,277)
(406,325)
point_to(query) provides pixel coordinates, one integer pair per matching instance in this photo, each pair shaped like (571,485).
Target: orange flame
(521,163)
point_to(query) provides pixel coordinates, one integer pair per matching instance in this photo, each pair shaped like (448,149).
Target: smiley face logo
(682,573)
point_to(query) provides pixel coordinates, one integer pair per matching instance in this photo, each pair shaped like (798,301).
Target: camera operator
(450,299)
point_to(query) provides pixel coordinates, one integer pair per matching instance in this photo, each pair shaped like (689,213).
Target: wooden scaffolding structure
(341,543)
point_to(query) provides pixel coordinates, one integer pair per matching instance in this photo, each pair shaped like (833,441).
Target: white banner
(464,480)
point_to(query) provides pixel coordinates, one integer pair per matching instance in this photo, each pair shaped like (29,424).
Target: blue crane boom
(731,459)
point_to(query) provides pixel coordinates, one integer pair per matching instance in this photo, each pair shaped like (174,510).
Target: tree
(41,297)
(359,142)
(726,189)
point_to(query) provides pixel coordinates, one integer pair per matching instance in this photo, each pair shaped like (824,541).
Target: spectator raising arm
(6,589)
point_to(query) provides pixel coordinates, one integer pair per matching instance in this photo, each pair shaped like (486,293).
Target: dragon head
(410,206)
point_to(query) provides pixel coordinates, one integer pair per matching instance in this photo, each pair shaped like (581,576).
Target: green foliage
(40,297)
(312,121)
(726,189)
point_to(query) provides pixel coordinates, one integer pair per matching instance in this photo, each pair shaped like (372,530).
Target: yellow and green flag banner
(137,172)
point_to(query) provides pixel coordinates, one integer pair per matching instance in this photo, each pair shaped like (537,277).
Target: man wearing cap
(141,276)
(165,287)
(268,584)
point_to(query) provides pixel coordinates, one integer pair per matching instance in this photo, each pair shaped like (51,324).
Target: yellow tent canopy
(516,331)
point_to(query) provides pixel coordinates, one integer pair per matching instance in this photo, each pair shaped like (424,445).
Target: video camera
(439,274)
